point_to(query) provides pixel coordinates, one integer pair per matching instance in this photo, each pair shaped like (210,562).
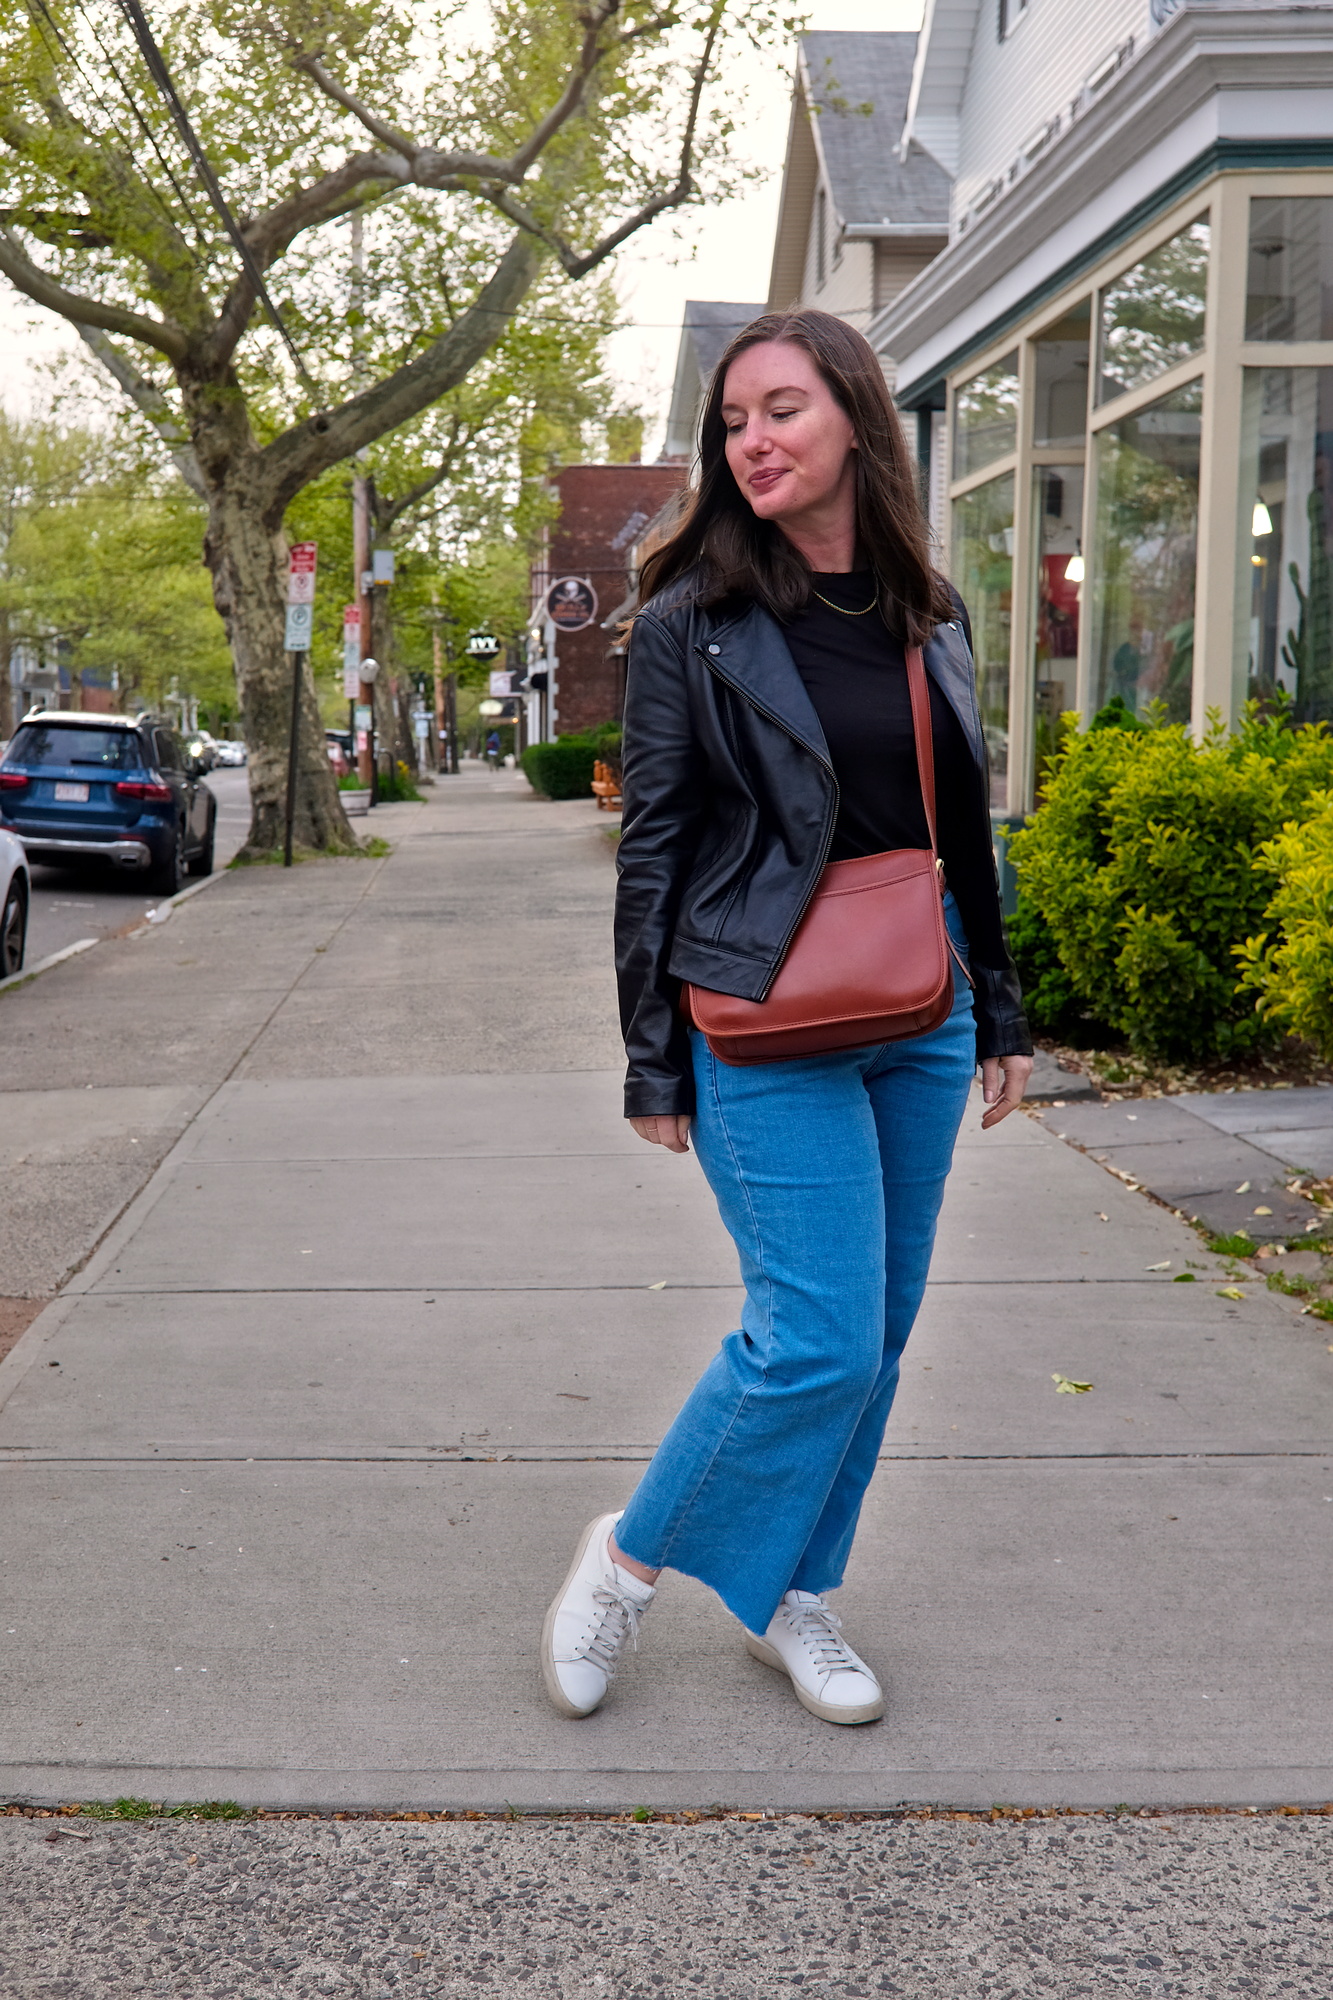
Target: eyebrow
(792,390)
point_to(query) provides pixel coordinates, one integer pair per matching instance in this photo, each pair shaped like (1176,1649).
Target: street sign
(351,680)
(300,627)
(381,566)
(351,635)
(571,604)
(363,715)
(421,726)
(502,681)
(301,562)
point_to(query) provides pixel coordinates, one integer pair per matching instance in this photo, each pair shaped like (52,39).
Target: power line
(140,120)
(161,76)
(72,54)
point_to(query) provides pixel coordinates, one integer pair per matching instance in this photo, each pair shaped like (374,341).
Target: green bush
(1292,972)
(560,770)
(1141,865)
(398,787)
(1053,1006)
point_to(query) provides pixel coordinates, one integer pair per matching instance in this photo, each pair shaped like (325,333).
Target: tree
(552,140)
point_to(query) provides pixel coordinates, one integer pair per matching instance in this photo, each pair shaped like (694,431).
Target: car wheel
(13,929)
(202,863)
(169,875)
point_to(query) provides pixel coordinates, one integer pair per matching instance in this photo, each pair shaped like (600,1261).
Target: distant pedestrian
(493,749)
(768,731)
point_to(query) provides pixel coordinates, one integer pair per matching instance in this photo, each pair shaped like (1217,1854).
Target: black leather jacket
(729,809)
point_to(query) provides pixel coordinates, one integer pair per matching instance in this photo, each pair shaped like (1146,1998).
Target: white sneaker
(830,1680)
(597,1608)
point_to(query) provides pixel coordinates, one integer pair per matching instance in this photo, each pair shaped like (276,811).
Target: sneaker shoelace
(619,1620)
(818,1628)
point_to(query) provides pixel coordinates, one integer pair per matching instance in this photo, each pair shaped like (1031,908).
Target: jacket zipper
(830,825)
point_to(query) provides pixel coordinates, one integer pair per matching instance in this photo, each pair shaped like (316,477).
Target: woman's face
(790,443)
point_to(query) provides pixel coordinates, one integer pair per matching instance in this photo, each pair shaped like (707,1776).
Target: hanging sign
(571,604)
(501,681)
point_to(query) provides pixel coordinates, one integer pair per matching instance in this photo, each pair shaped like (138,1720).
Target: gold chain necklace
(842,607)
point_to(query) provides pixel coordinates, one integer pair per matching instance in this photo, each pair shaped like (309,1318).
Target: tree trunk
(247,560)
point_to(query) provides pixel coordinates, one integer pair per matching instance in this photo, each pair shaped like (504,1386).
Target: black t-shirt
(855,673)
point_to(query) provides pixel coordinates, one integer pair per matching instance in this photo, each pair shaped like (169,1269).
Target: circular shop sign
(571,604)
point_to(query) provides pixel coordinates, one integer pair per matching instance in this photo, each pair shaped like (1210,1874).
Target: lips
(763,481)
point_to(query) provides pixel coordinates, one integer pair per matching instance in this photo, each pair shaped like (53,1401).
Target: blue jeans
(829,1173)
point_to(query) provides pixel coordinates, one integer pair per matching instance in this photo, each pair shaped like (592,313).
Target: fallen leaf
(1102,1216)
(1244,1188)
(1263,1211)
(1165,1265)
(570,1396)
(1183,1278)
(1064,1386)
(660,1286)
(1230,1292)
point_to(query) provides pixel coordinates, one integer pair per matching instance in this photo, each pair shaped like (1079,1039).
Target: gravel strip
(1168,1905)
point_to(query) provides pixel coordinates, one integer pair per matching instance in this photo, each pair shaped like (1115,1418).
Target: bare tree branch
(302,453)
(44,291)
(577,264)
(168,423)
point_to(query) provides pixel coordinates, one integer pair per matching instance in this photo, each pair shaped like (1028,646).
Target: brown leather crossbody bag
(871,959)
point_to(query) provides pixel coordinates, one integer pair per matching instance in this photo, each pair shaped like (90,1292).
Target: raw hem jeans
(828,1173)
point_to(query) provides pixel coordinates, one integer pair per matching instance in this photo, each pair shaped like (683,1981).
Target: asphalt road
(68,904)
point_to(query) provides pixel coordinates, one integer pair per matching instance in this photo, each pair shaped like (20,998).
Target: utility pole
(366,761)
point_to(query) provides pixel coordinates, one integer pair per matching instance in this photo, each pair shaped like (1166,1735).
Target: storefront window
(1284,625)
(1153,316)
(1060,380)
(1290,291)
(985,417)
(1057,527)
(1143,573)
(983,575)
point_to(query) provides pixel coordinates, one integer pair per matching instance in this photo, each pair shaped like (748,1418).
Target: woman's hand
(671,1130)
(1007,1096)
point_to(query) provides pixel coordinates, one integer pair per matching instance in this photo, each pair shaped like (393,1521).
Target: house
(604,510)
(1121,366)
(861,213)
(708,326)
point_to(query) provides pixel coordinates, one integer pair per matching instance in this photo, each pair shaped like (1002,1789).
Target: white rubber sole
(827,1711)
(559,1699)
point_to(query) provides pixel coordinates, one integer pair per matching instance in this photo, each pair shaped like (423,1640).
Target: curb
(155,917)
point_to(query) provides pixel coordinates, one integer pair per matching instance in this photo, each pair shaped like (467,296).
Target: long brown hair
(738,555)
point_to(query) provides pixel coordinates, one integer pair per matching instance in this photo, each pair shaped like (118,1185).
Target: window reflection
(985,417)
(1060,380)
(983,575)
(1058,549)
(1284,625)
(1153,316)
(1289,295)
(1143,576)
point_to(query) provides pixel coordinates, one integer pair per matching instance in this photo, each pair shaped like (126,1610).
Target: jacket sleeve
(997,1002)
(664,792)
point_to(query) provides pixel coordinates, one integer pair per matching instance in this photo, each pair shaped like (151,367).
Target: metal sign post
(300,628)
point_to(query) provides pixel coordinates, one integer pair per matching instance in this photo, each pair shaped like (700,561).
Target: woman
(767,730)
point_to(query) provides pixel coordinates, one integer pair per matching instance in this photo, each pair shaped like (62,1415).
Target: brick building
(604,510)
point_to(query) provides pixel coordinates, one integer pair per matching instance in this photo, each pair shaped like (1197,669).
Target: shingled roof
(860,84)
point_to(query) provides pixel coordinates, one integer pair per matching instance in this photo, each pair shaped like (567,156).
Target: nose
(756,440)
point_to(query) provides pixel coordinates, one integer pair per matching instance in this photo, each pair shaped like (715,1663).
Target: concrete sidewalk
(293,1464)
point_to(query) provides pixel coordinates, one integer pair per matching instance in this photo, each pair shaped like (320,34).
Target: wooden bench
(606,786)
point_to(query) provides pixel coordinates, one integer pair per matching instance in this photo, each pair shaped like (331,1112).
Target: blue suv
(80,788)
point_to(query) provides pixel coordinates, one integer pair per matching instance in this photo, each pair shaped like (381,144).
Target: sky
(723,252)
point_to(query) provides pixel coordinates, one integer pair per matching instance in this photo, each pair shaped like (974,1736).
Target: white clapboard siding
(1014,87)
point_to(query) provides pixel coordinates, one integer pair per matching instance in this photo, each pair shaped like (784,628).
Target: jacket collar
(750,650)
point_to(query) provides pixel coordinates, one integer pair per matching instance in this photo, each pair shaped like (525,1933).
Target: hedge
(563,769)
(1146,870)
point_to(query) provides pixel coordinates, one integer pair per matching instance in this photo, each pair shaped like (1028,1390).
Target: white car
(228,754)
(15,897)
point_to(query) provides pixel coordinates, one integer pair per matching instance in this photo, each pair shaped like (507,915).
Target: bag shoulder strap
(925,741)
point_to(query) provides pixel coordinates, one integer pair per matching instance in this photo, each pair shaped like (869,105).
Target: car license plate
(71,795)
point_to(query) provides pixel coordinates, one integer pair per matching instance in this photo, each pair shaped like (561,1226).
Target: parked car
(203,748)
(15,896)
(79,788)
(341,751)
(228,755)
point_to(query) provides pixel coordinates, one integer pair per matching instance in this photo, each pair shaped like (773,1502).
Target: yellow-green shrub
(1290,968)
(1140,863)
